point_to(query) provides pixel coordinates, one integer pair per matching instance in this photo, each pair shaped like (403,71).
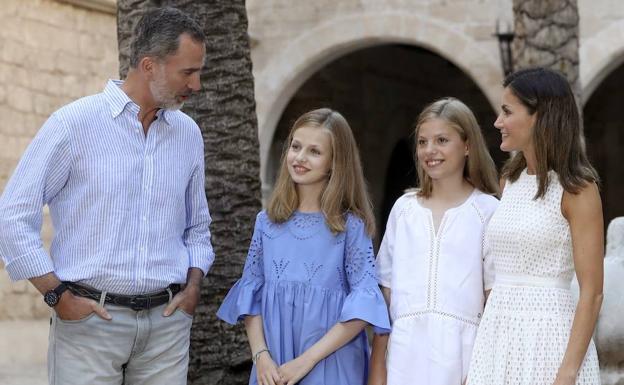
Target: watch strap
(60,289)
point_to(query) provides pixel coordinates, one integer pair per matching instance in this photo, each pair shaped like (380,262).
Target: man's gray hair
(158,32)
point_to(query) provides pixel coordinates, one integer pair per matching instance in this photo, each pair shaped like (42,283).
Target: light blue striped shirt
(129,210)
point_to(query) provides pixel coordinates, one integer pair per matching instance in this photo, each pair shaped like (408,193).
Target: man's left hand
(186,300)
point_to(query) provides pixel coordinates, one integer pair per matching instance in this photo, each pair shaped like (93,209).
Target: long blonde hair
(479,169)
(345,190)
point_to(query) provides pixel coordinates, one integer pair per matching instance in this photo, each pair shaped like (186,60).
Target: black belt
(134,302)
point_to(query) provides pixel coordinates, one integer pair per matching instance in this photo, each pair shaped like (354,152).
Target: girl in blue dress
(308,288)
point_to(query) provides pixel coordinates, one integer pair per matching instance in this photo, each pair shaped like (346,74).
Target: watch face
(51,298)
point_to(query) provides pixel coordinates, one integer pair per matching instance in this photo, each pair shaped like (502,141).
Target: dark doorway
(604,132)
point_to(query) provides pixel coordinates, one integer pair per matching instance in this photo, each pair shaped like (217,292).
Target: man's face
(177,76)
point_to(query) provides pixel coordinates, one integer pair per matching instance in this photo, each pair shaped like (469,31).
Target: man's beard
(163,97)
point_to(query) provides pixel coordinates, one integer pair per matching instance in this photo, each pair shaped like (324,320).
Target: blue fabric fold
(303,279)
(245,298)
(367,304)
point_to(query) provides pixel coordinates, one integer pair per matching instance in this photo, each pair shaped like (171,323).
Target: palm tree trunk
(547,35)
(225,112)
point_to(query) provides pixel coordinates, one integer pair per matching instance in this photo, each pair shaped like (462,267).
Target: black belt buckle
(140,302)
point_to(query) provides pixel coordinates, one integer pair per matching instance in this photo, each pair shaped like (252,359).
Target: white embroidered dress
(526,324)
(436,280)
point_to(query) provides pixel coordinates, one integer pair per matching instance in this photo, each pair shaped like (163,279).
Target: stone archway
(604,133)
(599,56)
(602,71)
(311,51)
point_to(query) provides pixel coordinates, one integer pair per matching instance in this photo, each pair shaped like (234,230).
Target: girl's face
(440,150)
(515,124)
(309,157)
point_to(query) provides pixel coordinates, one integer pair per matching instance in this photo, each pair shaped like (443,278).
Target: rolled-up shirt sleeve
(197,232)
(40,175)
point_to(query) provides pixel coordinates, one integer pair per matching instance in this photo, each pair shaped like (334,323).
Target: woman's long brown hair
(557,137)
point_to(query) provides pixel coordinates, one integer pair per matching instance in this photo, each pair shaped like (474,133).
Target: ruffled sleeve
(245,297)
(364,300)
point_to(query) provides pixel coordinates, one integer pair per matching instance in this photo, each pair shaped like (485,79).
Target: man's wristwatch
(52,297)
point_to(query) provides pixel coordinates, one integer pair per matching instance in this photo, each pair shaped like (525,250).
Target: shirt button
(141,248)
(144,218)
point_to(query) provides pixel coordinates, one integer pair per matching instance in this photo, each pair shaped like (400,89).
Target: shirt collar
(119,100)
(164,115)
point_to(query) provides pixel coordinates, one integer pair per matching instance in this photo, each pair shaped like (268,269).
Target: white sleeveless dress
(526,324)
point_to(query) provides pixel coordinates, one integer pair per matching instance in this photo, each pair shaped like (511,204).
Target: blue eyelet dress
(302,279)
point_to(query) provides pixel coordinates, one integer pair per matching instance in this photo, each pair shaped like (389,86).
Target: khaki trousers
(92,351)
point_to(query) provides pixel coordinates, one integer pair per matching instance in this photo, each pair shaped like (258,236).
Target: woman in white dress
(548,225)
(430,263)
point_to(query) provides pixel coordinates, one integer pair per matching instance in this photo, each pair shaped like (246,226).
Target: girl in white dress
(430,263)
(547,226)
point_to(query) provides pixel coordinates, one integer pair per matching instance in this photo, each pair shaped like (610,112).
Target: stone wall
(52,53)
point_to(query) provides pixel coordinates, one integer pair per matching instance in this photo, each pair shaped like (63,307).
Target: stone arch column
(278,81)
(599,56)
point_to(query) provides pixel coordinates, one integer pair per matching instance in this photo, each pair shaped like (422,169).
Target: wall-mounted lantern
(505,36)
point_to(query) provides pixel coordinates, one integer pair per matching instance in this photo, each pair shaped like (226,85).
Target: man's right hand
(74,308)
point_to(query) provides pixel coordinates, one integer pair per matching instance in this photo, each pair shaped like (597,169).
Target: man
(123,175)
